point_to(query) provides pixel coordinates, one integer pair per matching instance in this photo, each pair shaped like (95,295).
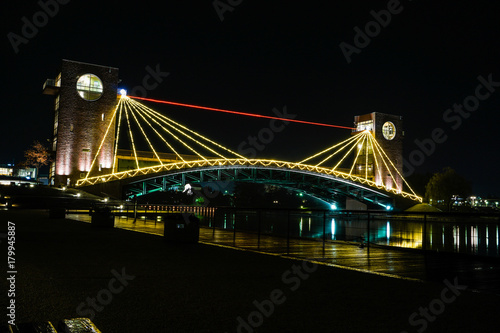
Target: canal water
(474,234)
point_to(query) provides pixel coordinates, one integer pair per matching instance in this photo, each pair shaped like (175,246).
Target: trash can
(102,217)
(182,228)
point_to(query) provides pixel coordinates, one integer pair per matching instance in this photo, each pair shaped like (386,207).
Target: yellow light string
(146,137)
(385,163)
(347,154)
(175,136)
(132,138)
(157,133)
(103,139)
(330,148)
(357,154)
(141,110)
(151,114)
(375,157)
(194,132)
(339,150)
(191,131)
(404,180)
(366,160)
(117,136)
(232,162)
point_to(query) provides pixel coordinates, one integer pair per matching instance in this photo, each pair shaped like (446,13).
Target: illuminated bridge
(358,167)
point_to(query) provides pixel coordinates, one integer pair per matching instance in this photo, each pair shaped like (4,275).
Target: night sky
(271,54)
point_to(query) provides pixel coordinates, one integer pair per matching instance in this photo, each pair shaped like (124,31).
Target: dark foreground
(134,282)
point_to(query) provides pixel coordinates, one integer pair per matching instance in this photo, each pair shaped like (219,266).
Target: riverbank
(142,284)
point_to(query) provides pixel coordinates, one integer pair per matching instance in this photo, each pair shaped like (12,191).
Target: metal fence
(475,234)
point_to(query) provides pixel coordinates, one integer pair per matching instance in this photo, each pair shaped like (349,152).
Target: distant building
(10,173)
(85,97)
(12,170)
(6,170)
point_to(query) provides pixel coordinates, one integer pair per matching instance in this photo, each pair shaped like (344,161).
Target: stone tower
(85,100)
(388,131)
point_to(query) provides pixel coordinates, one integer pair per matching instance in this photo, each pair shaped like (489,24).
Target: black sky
(271,54)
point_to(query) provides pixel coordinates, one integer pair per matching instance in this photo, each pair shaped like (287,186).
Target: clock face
(389,130)
(89,87)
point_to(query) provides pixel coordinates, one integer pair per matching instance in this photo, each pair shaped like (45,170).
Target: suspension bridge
(358,167)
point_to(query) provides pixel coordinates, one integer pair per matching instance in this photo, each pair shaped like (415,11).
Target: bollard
(182,228)
(102,217)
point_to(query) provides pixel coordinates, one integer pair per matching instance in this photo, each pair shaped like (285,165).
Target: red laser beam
(239,113)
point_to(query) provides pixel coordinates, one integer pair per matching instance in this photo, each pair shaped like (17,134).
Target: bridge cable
(240,113)
(154,116)
(177,138)
(157,133)
(404,180)
(338,150)
(347,154)
(330,148)
(145,136)
(115,160)
(159,115)
(102,142)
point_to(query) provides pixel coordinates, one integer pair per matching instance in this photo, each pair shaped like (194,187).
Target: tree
(38,155)
(444,185)
(419,181)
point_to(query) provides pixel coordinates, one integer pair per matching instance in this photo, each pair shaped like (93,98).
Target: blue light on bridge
(333,206)
(388,232)
(333,229)
(388,207)
(123,92)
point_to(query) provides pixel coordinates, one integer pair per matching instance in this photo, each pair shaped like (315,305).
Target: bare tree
(37,155)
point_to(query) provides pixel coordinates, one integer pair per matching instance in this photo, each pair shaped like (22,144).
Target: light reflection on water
(473,236)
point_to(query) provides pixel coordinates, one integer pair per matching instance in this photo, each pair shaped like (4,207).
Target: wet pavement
(478,273)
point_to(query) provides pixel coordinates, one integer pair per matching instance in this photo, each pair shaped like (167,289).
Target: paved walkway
(478,273)
(135,282)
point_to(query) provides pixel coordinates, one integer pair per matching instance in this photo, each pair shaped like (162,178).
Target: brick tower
(388,131)
(85,100)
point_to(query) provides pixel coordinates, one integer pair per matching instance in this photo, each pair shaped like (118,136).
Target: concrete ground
(136,282)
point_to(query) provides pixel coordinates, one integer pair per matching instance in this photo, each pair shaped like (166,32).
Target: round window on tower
(89,87)
(389,130)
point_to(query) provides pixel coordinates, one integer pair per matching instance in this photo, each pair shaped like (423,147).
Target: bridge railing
(248,163)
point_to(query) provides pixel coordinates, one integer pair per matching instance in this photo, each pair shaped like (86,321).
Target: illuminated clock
(89,87)
(388,130)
